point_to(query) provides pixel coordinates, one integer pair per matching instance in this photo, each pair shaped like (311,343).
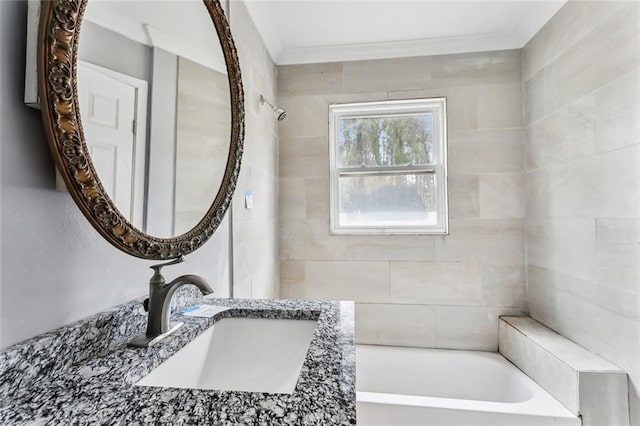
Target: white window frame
(438,108)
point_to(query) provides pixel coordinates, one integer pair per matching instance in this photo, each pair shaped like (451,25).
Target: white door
(108,112)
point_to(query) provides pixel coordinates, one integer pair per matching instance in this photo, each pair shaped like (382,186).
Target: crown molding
(399,49)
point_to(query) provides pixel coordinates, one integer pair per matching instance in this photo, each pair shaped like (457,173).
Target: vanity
(86,374)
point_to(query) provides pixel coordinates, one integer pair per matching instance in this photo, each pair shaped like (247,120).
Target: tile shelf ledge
(586,384)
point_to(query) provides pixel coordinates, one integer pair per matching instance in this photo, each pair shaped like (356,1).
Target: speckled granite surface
(84,373)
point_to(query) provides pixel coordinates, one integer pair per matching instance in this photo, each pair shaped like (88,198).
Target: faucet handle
(157,276)
(175,261)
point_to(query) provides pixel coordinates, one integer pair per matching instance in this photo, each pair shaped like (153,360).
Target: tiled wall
(431,291)
(255,232)
(582,116)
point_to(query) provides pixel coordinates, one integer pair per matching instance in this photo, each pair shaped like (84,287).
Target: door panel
(107,109)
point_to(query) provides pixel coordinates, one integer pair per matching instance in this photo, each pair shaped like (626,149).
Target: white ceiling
(307,31)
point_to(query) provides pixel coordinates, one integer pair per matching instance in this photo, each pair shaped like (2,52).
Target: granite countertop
(85,374)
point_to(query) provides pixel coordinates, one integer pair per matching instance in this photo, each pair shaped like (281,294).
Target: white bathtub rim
(538,403)
(492,360)
(532,407)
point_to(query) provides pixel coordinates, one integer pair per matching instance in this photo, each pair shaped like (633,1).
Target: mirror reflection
(155,109)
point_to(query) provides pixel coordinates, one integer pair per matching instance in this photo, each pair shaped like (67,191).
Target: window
(388,167)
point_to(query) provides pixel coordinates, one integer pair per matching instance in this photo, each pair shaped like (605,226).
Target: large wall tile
(307,116)
(563,137)
(291,275)
(502,195)
(618,253)
(485,151)
(292,198)
(563,245)
(473,69)
(486,241)
(546,281)
(617,123)
(395,325)
(438,283)
(316,193)
(295,147)
(576,189)
(604,54)
(615,43)
(569,25)
(389,247)
(340,280)
(623,302)
(568,78)
(504,285)
(469,327)
(241,288)
(392,74)
(500,106)
(309,79)
(462,108)
(463,194)
(618,188)
(264,268)
(312,163)
(534,98)
(310,239)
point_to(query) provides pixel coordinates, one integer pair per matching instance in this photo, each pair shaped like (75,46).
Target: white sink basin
(239,354)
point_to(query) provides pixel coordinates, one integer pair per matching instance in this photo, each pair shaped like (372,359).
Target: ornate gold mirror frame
(60,23)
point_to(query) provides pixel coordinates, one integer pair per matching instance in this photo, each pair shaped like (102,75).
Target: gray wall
(429,291)
(582,115)
(55,269)
(108,49)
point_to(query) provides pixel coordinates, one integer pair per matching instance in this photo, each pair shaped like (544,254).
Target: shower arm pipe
(279,112)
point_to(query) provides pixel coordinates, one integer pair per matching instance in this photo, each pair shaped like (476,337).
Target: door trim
(140,137)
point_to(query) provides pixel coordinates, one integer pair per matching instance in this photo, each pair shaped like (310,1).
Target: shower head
(280,113)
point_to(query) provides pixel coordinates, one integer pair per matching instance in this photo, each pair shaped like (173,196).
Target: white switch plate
(248,200)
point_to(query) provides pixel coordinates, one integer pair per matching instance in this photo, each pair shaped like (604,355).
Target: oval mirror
(143,106)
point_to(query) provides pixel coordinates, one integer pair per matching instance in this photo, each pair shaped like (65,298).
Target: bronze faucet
(159,303)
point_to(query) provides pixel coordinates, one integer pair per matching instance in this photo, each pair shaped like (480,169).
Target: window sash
(340,229)
(387,170)
(437,107)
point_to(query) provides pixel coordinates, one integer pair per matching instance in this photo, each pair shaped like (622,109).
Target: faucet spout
(159,303)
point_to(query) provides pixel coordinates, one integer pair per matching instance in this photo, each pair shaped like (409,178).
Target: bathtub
(408,386)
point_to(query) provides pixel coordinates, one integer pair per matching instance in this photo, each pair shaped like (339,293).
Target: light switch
(248,200)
